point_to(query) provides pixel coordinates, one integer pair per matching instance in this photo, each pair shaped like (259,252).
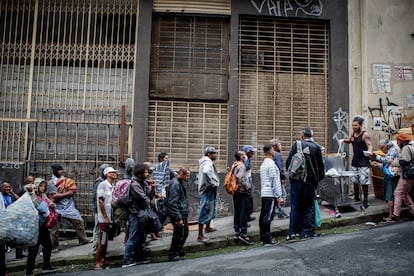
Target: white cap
(109,170)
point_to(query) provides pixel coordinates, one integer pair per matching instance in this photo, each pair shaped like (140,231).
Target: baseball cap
(209,150)
(248,148)
(109,170)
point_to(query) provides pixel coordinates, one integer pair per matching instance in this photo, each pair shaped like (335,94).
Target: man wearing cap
(104,208)
(208,181)
(249,150)
(95,206)
(65,205)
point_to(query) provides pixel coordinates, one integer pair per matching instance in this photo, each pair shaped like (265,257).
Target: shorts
(363,177)
(390,183)
(103,233)
(208,203)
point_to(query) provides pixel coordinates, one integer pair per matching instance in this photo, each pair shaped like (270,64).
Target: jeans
(301,208)
(266,216)
(241,212)
(136,239)
(208,203)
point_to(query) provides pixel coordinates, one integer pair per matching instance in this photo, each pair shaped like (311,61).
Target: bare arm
(367,139)
(102,208)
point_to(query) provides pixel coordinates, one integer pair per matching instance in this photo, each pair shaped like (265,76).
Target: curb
(219,241)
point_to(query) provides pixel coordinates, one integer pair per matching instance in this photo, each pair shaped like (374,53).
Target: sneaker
(290,238)
(283,216)
(56,250)
(144,261)
(174,259)
(49,270)
(125,265)
(310,236)
(244,238)
(273,242)
(236,236)
(251,218)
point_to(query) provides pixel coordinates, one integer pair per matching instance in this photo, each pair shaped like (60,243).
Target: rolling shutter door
(205,7)
(283,81)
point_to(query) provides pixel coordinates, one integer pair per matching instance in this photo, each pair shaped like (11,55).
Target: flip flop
(209,230)
(204,240)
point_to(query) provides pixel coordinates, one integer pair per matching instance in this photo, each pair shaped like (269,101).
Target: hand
(340,141)
(180,222)
(160,196)
(280,200)
(106,220)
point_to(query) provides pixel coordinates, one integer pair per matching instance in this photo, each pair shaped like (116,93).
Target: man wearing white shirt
(104,201)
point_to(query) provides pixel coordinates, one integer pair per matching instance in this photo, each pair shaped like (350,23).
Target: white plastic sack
(20,223)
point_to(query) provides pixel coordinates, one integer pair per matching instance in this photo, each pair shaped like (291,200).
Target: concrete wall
(380,32)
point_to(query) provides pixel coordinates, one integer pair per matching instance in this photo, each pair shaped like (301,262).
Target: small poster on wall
(377,123)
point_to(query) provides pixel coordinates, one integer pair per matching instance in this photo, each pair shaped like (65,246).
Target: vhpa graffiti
(391,116)
(288,7)
(341,120)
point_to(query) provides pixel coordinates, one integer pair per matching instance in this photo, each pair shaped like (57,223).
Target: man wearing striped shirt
(271,194)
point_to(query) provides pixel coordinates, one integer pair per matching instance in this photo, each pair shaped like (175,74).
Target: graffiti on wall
(390,116)
(342,128)
(288,7)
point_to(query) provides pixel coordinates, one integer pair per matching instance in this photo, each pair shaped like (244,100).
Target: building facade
(87,82)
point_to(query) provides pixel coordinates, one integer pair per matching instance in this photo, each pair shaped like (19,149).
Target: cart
(334,188)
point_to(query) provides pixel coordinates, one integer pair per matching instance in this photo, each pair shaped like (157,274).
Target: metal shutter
(184,129)
(283,81)
(184,6)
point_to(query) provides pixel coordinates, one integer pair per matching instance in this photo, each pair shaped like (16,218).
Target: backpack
(230,181)
(120,194)
(297,166)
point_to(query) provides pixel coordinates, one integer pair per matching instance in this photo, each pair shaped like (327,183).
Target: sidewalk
(72,253)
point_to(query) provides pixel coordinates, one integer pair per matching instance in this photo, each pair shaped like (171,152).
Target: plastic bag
(20,223)
(52,219)
(318,218)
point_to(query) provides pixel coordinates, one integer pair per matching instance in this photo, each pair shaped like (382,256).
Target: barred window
(189,58)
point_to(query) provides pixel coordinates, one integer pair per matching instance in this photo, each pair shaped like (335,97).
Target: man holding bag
(140,195)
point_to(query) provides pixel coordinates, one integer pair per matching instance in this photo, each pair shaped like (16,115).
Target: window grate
(184,129)
(189,58)
(285,63)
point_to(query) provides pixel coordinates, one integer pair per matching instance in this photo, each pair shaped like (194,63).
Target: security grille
(183,129)
(193,6)
(66,83)
(283,81)
(188,89)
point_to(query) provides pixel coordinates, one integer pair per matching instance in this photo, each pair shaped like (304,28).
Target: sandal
(204,240)
(98,267)
(107,263)
(209,230)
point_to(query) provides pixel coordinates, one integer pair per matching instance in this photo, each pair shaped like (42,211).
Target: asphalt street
(386,250)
